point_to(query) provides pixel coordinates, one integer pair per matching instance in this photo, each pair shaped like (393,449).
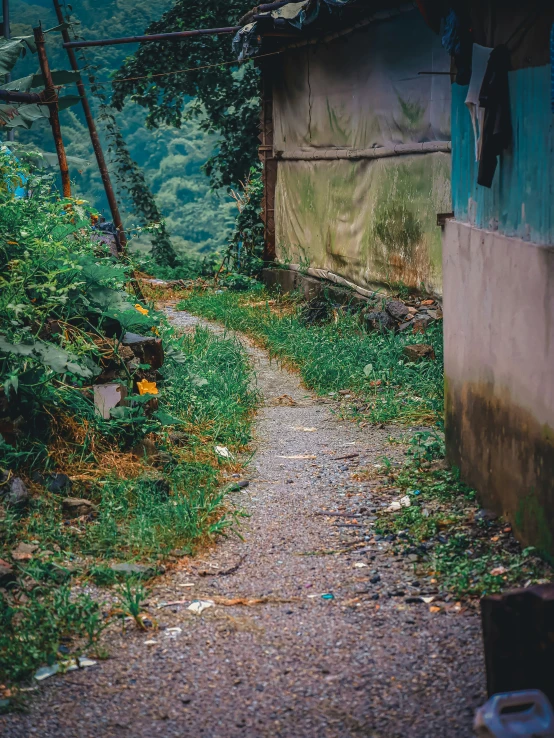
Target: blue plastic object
(18,191)
(526,714)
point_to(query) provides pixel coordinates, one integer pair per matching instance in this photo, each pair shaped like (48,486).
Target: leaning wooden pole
(51,99)
(95,140)
(7,36)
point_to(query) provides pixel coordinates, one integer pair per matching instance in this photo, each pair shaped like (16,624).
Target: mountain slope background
(198,219)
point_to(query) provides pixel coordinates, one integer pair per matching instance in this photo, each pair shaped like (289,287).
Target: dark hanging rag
(495,99)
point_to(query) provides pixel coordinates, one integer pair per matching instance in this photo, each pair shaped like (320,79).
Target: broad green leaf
(166,418)
(10,51)
(54,357)
(67,101)
(59,77)
(23,116)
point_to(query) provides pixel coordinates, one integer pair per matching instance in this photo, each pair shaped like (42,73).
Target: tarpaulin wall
(346,200)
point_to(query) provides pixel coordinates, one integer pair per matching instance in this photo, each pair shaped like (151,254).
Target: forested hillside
(197,218)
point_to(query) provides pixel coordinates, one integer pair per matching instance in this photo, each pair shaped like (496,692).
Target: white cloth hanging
(479,62)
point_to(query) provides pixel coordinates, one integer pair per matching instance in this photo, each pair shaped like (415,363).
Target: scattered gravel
(333,649)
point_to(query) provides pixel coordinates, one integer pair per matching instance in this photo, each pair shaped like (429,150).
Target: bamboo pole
(95,140)
(7,35)
(153,37)
(51,98)
(21,97)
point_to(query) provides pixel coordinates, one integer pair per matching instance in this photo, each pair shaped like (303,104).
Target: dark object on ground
(518,636)
(316,311)
(487,515)
(178,438)
(421,322)
(372,320)
(145,449)
(59,483)
(109,235)
(396,309)
(419,351)
(7,574)
(14,493)
(148,349)
(74,507)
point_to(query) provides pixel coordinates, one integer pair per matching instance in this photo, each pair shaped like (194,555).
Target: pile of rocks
(401,315)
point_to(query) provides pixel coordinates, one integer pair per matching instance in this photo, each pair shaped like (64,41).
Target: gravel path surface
(364,662)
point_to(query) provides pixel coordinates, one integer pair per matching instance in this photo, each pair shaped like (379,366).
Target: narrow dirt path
(363,663)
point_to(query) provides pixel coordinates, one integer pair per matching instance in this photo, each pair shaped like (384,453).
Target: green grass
(457,550)
(150,472)
(211,404)
(337,356)
(467,556)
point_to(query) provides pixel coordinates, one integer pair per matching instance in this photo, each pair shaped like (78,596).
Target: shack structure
(362,107)
(355,140)
(498,266)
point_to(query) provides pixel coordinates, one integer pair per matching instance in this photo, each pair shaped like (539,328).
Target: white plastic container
(526,714)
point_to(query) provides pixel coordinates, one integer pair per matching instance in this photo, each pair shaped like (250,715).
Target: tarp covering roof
(294,16)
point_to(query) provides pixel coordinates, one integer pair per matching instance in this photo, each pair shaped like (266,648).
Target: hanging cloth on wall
(497,127)
(479,61)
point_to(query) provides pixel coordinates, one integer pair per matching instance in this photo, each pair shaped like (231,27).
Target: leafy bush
(151,476)
(246,246)
(64,308)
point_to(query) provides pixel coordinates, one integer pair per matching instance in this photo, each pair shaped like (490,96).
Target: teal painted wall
(521,200)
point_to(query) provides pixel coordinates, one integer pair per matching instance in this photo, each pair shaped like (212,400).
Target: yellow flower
(155,330)
(141,310)
(147,388)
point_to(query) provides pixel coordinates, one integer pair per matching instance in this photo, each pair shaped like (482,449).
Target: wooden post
(269,162)
(95,140)
(518,635)
(51,98)
(7,35)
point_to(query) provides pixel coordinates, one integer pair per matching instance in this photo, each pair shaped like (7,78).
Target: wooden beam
(176,36)
(51,99)
(95,140)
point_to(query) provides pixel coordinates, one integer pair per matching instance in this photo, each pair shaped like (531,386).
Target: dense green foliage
(149,472)
(226,99)
(338,356)
(246,246)
(197,219)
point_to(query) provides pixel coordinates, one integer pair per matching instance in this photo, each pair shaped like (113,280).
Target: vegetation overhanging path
(312,629)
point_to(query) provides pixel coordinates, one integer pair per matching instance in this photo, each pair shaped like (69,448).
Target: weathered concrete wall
(499,373)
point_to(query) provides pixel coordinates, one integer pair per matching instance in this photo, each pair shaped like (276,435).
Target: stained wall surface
(372,221)
(499,378)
